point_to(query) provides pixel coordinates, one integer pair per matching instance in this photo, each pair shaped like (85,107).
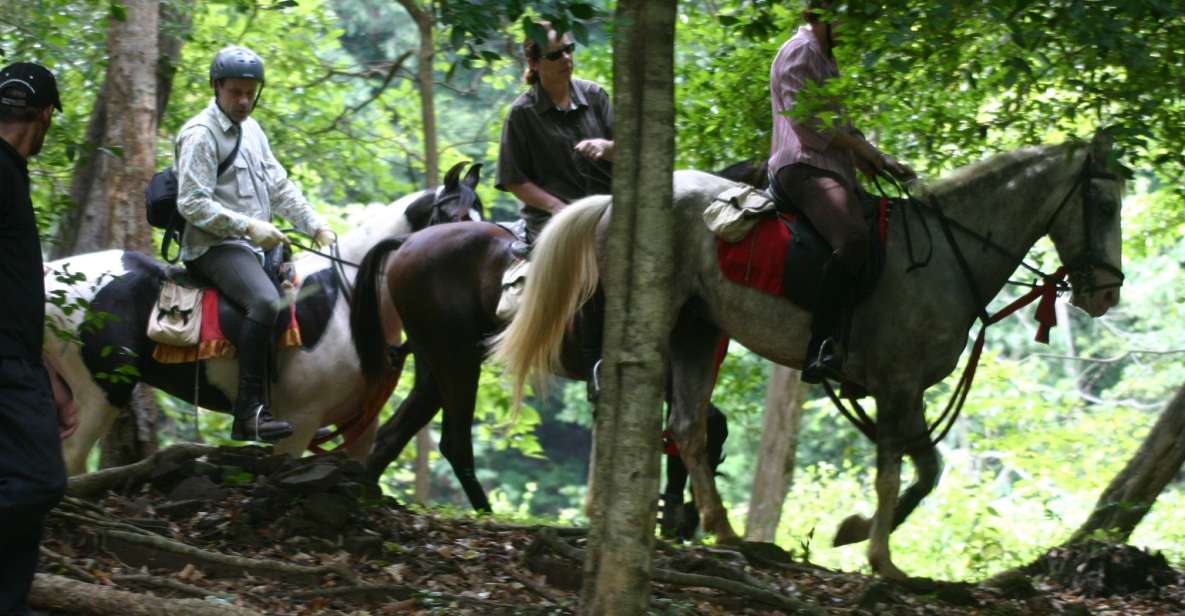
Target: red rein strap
(1046,318)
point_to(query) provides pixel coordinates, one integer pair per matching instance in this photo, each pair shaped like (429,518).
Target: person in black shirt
(557,146)
(32,473)
(557,142)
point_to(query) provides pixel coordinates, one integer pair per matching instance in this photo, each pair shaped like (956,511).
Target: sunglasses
(559,53)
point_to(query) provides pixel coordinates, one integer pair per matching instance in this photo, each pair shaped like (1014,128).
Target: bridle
(1092,258)
(339,264)
(1082,267)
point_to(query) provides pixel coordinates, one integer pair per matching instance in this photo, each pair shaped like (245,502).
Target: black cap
(25,84)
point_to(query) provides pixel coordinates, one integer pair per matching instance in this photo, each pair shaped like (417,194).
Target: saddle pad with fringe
(212,342)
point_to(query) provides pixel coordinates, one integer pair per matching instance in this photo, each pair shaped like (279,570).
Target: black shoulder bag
(160,202)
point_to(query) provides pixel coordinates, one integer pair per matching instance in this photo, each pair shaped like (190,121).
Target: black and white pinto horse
(906,336)
(97,355)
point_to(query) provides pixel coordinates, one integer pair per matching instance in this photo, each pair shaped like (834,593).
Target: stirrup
(251,432)
(594,382)
(826,364)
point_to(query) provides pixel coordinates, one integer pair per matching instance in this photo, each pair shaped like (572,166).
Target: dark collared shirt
(22,311)
(538,142)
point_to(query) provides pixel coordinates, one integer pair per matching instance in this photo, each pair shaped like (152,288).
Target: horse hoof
(889,571)
(729,540)
(854,529)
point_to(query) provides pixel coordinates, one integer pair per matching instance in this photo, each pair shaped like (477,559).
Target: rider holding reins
(229,220)
(812,169)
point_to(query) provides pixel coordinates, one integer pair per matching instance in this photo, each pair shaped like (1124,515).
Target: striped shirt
(218,209)
(805,140)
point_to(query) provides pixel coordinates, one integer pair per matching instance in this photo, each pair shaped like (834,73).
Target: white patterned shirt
(218,209)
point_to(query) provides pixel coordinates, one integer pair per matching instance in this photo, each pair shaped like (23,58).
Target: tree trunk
(1134,490)
(775,458)
(174,24)
(133,436)
(107,191)
(637,283)
(120,152)
(424,78)
(424,446)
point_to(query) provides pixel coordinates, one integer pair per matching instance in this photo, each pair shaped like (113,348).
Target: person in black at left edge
(32,473)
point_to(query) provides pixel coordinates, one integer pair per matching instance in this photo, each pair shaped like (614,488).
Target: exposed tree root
(766,596)
(124,545)
(99,482)
(69,596)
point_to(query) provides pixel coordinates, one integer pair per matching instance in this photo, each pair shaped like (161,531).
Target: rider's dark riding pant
(834,209)
(239,275)
(32,473)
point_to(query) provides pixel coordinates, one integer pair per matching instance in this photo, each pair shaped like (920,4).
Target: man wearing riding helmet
(229,220)
(812,170)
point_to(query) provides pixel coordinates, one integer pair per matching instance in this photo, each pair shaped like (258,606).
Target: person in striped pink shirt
(812,170)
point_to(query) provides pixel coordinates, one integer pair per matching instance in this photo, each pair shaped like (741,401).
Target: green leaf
(119,12)
(580,10)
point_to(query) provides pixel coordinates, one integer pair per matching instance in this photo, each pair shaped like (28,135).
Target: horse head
(1088,237)
(455,200)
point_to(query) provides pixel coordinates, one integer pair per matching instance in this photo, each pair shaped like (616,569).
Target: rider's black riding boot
(826,350)
(592,331)
(253,422)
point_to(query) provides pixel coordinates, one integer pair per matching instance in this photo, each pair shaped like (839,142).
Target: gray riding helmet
(236,61)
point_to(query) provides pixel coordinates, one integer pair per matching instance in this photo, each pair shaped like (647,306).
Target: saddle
(515,276)
(198,322)
(783,254)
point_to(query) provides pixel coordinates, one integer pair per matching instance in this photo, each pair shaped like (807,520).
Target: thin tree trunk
(1134,490)
(424,56)
(637,283)
(424,446)
(424,77)
(776,455)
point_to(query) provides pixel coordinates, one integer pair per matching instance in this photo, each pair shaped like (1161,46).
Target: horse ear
(452,178)
(473,176)
(1100,144)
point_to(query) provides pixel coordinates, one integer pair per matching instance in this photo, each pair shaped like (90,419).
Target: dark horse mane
(747,171)
(140,263)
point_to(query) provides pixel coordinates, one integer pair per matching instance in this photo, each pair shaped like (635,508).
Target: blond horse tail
(562,277)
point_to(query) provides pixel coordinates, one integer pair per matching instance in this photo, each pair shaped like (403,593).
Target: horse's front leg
(900,426)
(413,414)
(693,366)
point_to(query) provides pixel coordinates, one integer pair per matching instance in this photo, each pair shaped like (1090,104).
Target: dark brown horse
(445,282)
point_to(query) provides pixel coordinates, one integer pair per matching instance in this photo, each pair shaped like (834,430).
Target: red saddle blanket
(759,259)
(212,342)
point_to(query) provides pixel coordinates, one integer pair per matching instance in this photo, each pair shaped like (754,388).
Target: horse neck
(388,221)
(1010,200)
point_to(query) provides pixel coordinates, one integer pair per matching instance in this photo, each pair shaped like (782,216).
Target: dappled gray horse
(907,335)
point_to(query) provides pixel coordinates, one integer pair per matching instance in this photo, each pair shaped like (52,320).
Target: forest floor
(203,530)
